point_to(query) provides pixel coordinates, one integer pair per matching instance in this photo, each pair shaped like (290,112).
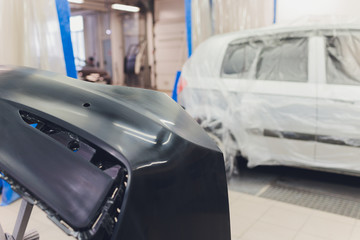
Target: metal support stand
(2,234)
(22,220)
(21,224)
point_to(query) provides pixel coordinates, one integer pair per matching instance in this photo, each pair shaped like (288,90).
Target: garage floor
(254,218)
(329,192)
(292,203)
(266,203)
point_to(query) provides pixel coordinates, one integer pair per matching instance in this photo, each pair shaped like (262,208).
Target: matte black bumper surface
(171,183)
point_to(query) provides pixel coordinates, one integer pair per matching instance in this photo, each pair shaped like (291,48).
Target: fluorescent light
(76,1)
(122,7)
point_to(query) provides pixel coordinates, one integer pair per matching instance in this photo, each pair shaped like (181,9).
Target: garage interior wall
(117,48)
(169,41)
(211,17)
(93,26)
(325,11)
(31,35)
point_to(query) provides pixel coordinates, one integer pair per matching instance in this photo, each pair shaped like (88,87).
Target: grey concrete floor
(329,192)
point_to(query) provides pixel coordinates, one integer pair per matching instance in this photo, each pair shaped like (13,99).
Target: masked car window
(283,60)
(343,60)
(238,61)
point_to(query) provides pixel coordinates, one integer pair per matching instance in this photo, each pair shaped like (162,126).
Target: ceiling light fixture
(76,1)
(127,8)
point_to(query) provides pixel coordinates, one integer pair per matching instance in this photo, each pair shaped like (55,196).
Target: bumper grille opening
(108,215)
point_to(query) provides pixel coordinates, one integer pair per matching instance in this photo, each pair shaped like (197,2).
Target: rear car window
(282,59)
(343,60)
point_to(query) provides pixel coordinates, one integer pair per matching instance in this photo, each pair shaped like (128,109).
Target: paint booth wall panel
(171,10)
(169,69)
(323,11)
(172,27)
(168,54)
(30,35)
(166,82)
(170,41)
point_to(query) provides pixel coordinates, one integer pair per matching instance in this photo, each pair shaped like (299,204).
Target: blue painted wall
(63,10)
(275,7)
(188,25)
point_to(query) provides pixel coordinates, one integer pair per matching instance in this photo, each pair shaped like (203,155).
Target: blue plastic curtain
(7,194)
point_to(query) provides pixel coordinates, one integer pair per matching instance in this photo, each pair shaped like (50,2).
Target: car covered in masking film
(109,162)
(280,95)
